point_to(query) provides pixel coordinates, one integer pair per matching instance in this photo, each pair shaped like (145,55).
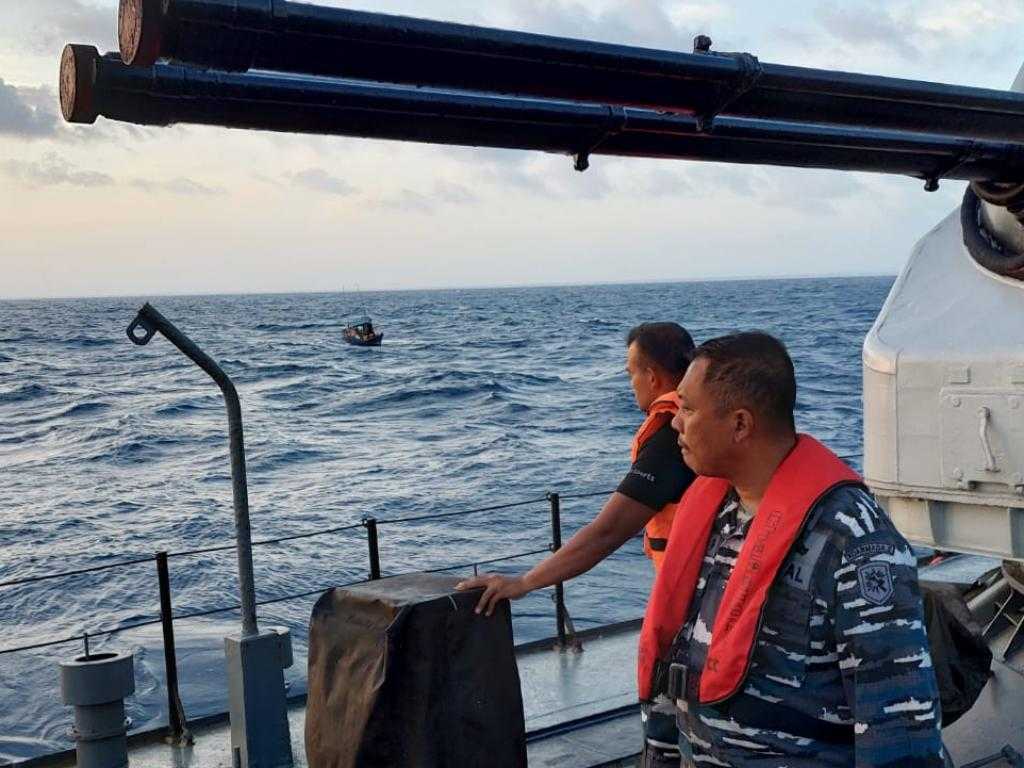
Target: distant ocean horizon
(356,292)
(478,397)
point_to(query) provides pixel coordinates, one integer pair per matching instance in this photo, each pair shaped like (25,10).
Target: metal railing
(177,724)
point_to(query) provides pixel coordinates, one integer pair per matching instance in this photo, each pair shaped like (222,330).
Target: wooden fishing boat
(361,333)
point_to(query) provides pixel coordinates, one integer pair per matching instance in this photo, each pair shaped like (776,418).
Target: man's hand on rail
(619,519)
(496,587)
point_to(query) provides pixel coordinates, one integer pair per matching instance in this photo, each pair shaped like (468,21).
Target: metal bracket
(931,183)
(572,642)
(750,73)
(614,123)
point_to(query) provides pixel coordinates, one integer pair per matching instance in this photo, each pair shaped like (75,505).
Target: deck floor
(558,687)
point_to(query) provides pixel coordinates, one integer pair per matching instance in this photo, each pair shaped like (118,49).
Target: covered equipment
(403,673)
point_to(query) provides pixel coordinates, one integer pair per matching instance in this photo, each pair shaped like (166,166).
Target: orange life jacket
(658,527)
(804,476)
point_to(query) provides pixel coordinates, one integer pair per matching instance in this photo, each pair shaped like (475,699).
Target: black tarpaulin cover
(961,657)
(404,674)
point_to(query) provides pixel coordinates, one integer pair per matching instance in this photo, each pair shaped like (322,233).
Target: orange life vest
(658,527)
(804,476)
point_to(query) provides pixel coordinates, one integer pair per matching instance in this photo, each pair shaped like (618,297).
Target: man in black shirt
(657,355)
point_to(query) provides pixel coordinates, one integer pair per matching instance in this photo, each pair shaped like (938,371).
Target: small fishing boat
(361,333)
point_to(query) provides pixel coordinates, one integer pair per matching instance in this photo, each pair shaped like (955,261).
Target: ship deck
(580,710)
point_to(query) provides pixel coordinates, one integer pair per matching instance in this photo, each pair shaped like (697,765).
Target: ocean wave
(289,327)
(25,392)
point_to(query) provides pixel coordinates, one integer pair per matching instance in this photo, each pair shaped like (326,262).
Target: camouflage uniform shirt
(841,674)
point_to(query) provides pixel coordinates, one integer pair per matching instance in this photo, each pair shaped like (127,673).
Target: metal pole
(256,661)
(299,37)
(556,544)
(175,711)
(371,541)
(92,85)
(149,321)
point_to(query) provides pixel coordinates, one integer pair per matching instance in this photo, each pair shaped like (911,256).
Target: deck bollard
(96,686)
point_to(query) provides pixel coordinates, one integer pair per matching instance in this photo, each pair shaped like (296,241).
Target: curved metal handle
(984,417)
(149,330)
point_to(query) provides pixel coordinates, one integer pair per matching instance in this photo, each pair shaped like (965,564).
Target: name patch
(862,551)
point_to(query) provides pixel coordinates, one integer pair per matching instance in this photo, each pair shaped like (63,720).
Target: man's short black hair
(751,370)
(667,345)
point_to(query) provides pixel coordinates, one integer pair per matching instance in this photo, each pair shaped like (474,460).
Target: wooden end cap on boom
(77,78)
(140,31)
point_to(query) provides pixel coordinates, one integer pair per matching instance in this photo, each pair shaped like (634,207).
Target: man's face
(705,432)
(641,377)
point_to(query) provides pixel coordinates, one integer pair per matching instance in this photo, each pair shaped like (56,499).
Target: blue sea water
(478,397)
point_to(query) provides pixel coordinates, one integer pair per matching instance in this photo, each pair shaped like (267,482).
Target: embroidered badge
(875,582)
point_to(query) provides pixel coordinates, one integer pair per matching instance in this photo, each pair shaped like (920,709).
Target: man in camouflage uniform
(840,672)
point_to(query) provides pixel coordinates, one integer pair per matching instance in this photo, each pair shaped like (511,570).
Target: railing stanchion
(371,542)
(179,733)
(556,544)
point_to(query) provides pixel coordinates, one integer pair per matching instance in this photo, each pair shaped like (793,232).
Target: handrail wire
(261,542)
(484,562)
(461,512)
(80,571)
(310,534)
(564,496)
(228,608)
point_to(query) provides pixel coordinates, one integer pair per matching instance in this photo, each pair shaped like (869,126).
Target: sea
(477,400)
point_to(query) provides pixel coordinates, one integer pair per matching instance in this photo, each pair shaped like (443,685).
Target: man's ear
(653,377)
(742,424)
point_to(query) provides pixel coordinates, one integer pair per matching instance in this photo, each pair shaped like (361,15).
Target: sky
(114,209)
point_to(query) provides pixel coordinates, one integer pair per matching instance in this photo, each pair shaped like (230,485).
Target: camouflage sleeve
(881,642)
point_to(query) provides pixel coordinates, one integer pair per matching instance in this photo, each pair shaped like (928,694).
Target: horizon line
(471,287)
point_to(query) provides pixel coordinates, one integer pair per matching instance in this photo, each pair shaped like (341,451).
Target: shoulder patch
(868,550)
(799,567)
(875,580)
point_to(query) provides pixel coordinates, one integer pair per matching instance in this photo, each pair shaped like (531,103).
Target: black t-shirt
(659,475)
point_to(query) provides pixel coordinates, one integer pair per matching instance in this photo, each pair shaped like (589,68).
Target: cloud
(27,113)
(177,186)
(871,27)
(454,193)
(443,192)
(44,26)
(640,22)
(809,191)
(52,170)
(318,180)
(917,29)
(407,201)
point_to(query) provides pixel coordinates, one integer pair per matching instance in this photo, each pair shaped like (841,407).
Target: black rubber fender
(983,247)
